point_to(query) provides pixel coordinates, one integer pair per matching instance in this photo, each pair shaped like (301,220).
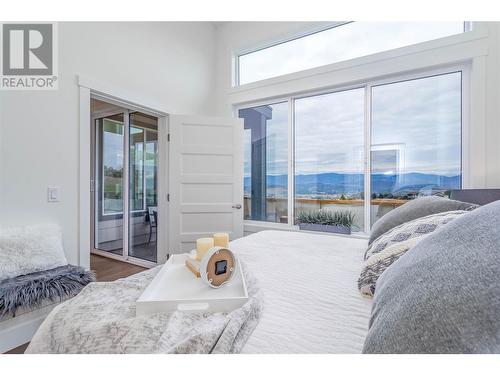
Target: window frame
(464,68)
(467,27)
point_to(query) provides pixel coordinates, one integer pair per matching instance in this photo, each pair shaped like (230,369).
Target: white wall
(236,36)
(170,63)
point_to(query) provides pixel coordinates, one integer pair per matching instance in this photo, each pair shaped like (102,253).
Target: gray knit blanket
(102,319)
(28,292)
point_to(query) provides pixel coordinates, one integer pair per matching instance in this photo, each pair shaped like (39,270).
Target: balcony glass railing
(277,208)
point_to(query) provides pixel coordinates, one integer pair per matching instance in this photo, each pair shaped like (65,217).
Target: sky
(421,119)
(340,43)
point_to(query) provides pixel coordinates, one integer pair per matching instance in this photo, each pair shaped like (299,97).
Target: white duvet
(311,300)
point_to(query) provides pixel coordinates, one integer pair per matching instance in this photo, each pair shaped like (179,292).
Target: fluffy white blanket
(102,319)
(24,250)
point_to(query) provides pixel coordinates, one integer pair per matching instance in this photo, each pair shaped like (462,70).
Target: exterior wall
(170,63)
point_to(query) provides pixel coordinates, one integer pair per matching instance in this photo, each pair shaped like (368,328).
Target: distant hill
(338,183)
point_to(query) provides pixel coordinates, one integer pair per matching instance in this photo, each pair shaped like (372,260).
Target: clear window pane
(344,42)
(151,168)
(416,140)
(109,181)
(143,171)
(112,156)
(136,168)
(329,154)
(266,162)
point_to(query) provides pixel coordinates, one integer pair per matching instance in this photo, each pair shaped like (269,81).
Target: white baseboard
(20,329)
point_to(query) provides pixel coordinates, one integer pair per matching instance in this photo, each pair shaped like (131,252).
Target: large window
(364,150)
(266,166)
(416,140)
(329,153)
(344,42)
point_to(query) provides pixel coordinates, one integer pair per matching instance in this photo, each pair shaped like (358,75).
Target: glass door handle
(237,206)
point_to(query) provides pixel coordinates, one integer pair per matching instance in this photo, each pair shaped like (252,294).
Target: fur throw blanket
(29,291)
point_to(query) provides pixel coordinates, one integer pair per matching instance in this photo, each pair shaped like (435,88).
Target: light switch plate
(53,194)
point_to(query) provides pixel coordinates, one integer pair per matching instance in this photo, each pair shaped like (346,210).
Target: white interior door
(206,179)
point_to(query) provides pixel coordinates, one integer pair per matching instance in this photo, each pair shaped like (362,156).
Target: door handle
(237,206)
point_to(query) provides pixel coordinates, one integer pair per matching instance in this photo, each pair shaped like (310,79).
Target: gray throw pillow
(390,246)
(443,295)
(414,209)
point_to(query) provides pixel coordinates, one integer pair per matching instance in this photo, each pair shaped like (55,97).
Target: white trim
(291,165)
(84,206)
(131,260)
(163,192)
(367,156)
(450,50)
(476,141)
(126,184)
(122,97)
(21,329)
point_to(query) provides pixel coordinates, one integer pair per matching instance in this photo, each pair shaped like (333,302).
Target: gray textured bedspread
(102,319)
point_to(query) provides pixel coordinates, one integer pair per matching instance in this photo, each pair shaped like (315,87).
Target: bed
(310,300)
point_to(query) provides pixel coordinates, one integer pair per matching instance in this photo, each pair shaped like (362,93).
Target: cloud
(340,43)
(423,116)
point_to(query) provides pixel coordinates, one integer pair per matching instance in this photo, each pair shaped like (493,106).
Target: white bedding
(310,305)
(311,300)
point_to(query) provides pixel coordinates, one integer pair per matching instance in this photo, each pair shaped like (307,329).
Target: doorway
(125,183)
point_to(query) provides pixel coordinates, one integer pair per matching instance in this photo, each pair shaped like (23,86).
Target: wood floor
(106,269)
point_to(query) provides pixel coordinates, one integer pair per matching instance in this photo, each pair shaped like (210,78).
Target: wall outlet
(53,194)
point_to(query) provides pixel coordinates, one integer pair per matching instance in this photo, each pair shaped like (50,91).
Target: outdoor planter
(325,228)
(326,221)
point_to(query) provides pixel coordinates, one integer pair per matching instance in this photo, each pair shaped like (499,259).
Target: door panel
(206,179)
(143,187)
(108,185)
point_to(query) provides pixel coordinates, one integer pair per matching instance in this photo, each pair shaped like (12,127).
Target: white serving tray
(175,288)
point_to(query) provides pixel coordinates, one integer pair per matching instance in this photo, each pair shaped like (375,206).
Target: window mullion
(291,162)
(367,156)
(144,138)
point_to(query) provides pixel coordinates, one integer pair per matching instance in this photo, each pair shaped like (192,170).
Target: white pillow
(29,249)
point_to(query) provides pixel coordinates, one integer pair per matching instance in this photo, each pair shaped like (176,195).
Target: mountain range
(345,183)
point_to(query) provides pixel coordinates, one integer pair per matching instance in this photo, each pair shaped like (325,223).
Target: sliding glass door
(126,185)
